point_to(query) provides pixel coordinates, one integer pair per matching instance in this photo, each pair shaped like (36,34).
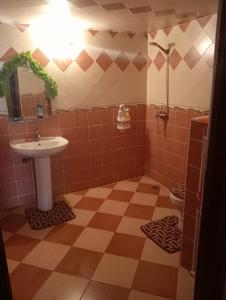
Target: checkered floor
(101,254)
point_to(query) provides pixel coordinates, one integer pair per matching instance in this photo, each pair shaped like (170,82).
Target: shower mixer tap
(162,114)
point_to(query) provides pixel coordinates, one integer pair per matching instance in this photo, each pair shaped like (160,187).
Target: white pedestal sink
(41,152)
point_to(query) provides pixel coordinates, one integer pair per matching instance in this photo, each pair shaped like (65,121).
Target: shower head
(166,51)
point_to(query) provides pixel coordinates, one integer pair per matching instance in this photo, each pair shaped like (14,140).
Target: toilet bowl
(177,196)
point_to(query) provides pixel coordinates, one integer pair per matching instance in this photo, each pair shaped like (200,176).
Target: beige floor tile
(153,253)
(46,255)
(62,287)
(135,295)
(94,239)
(161,212)
(131,226)
(6,235)
(82,217)
(71,199)
(149,180)
(99,192)
(116,270)
(164,191)
(148,188)
(37,234)
(144,199)
(113,207)
(12,264)
(185,285)
(126,185)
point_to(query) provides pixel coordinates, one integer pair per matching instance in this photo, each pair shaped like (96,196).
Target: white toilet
(177,197)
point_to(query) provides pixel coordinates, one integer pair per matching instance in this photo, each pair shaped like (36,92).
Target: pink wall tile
(7,175)
(82,148)
(98,153)
(66,119)
(25,187)
(192,202)
(4,126)
(94,117)
(167,150)
(81,118)
(23,172)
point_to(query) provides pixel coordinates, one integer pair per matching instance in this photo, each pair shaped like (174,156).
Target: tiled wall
(166,149)
(190,83)
(110,68)
(29,104)
(190,60)
(192,198)
(98,153)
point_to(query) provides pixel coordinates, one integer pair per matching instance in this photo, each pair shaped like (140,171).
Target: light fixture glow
(57,33)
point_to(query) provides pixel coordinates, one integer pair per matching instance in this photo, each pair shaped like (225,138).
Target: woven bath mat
(43,219)
(165,233)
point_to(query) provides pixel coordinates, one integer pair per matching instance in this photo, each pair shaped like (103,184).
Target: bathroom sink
(46,146)
(41,151)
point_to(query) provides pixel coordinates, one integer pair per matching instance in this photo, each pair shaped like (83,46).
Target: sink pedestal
(43,183)
(41,151)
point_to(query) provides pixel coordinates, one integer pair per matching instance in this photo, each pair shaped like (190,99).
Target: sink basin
(41,151)
(47,146)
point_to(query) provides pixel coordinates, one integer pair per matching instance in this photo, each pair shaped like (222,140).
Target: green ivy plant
(24,59)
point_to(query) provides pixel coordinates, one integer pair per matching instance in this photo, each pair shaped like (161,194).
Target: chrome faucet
(37,134)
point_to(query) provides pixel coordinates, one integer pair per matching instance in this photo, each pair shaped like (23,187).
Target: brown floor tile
(140,211)
(105,221)
(18,246)
(89,203)
(156,279)
(12,222)
(79,262)
(64,234)
(126,245)
(148,188)
(121,195)
(26,280)
(164,201)
(101,291)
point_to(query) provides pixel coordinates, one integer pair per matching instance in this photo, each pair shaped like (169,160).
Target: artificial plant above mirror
(24,59)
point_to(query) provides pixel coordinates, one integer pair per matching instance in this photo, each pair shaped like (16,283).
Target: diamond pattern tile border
(104,61)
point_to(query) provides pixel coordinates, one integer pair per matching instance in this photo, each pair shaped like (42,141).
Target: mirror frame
(24,59)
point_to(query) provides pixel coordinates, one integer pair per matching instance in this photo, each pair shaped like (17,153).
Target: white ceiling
(116,15)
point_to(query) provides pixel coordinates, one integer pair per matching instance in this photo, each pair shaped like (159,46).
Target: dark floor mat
(43,219)
(165,233)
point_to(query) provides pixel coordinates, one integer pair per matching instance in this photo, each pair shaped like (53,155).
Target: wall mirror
(27,87)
